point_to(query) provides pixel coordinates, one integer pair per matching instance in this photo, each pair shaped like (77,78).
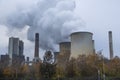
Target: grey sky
(99,16)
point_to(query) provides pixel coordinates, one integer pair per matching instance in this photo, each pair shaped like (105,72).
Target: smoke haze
(54,20)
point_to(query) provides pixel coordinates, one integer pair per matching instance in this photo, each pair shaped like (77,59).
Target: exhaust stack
(110,44)
(36,54)
(36,45)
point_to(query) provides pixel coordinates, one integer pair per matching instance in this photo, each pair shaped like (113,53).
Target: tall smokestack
(110,44)
(36,54)
(93,42)
(36,45)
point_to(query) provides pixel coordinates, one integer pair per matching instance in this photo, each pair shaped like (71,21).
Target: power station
(81,43)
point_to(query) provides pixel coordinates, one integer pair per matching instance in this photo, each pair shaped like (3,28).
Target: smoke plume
(54,20)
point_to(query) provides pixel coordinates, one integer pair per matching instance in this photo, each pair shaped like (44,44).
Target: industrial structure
(93,42)
(15,50)
(21,47)
(4,60)
(63,57)
(81,44)
(56,55)
(110,44)
(13,46)
(48,57)
(65,48)
(36,53)
(64,54)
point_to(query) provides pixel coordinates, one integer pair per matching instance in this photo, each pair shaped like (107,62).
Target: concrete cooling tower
(64,55)
(81,44)
(65,47)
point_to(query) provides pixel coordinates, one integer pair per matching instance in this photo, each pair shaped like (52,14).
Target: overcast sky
(99,16)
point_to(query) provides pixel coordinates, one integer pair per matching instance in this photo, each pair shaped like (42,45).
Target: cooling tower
(65,48)
(81,44)
(56,56)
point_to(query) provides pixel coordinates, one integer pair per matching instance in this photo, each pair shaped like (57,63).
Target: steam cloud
(54,20)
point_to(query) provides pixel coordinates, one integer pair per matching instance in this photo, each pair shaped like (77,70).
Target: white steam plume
(54,20)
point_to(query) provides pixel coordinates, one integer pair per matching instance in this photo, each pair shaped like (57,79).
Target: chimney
(110,44)
(93,43)
(36,54)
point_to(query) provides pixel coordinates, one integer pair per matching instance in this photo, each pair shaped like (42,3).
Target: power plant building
(81,44)
(4,60)
(13,46)
(15,49)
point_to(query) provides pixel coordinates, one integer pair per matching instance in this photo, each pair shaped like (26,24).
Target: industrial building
(4,60)
(15,50)
(13,47)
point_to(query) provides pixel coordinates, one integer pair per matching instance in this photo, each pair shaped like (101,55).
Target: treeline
(95,66)
(84,66)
